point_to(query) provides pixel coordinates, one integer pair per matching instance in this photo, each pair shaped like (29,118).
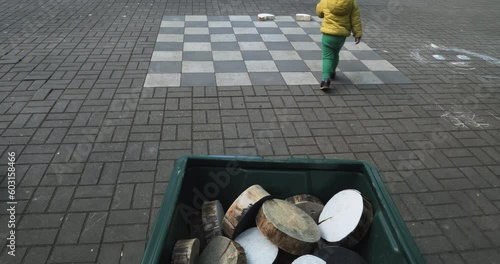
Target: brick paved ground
(95,147)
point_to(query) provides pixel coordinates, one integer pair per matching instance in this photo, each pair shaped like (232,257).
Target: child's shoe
(325,84)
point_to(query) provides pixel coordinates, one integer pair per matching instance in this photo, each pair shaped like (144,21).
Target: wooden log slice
(339,255)
(308,259)
(196,229)
(223,250)
(346,218)
(258,249)
(241,214)
(310,204)
(186,251)
(288,227)
(212,216)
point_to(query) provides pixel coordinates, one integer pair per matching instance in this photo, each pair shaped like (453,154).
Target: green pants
(330,51)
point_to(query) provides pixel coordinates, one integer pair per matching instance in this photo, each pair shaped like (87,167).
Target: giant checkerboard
(240,50)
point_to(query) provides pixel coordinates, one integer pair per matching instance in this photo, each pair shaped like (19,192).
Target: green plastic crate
(388,240)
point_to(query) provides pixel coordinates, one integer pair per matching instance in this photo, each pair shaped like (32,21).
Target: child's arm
(356,22)
(319,9)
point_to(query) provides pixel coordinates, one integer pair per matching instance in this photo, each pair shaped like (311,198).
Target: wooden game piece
(310,204)
(241,214)
(223,250)
(288,227)
(212,216)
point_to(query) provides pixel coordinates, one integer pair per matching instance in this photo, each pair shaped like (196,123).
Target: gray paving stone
(37,255)
(70,231)
(93,229)
(124,233)
(90,204)
(36,237)
(76,253)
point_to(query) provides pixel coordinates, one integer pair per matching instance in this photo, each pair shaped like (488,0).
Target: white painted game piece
(308,259)
(258,248)
(302,17)
(346,218)
(264,17)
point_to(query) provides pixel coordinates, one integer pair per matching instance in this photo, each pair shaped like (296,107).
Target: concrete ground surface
(94,147)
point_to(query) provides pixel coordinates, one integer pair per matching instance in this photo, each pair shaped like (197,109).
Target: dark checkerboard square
(229,66)
(266,78)
(352,66)
(165,67)
(197,56)
(171,30)
(279,46)
(221,30)
(196,38)
(299,38)
(225,46)
(242,24)
(269,31)
(366,55)
(310,54)
(248,38)
(169,46)
(218,18)
(291,66)
(256,55)
(312,30)
(287,24)
(196,24)
(198,79)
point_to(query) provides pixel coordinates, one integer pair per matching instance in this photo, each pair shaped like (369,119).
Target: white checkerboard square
(252,46)
(222,38)
(245,30)
(261,66)
(274,38)
(293,31)
(227,55)
(240,18)
(196,31)
(285,55)
(166,56)
(197,46)
(197,66)
(265,24)
(305,46)
(219,24)
(196,18)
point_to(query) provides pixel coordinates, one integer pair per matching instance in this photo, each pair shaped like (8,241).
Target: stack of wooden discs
(260,229)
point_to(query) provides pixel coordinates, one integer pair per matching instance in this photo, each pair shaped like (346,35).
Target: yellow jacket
(340,17)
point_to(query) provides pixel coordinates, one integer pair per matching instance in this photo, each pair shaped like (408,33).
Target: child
(340,17)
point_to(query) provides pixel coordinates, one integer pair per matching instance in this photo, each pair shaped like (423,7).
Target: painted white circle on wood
(309,259)
(258,249)
(341,215)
